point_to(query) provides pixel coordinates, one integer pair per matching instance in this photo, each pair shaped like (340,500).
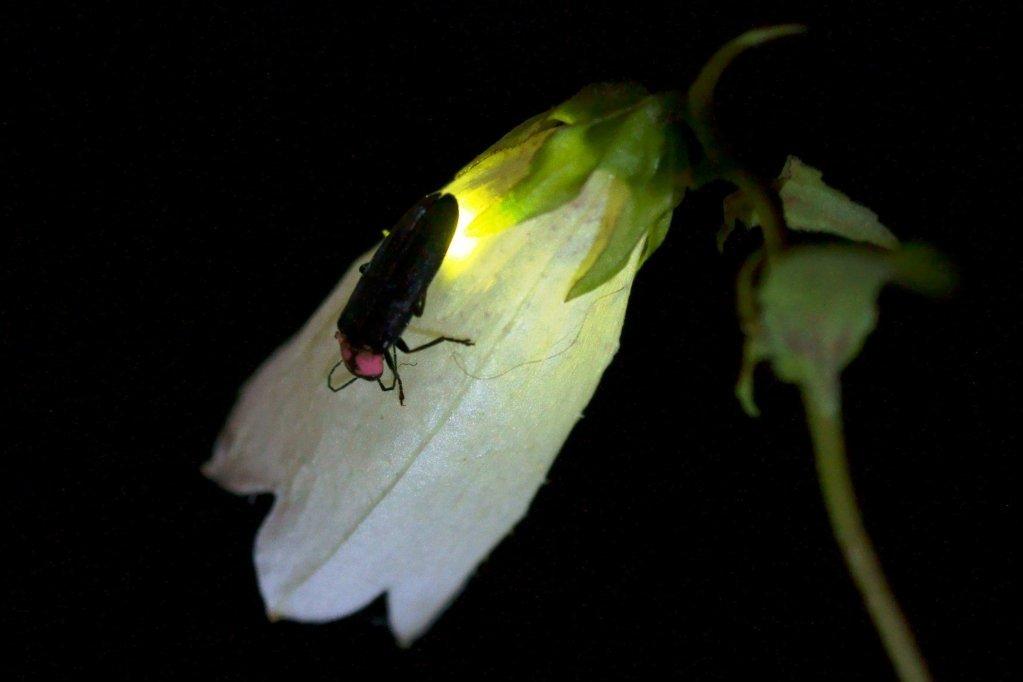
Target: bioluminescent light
(462,245)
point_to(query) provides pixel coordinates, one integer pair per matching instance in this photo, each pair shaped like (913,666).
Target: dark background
(184,183)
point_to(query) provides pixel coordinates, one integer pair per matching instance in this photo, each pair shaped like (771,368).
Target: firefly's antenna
(344,385)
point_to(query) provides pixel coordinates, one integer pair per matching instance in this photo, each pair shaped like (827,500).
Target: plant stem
(701,118)
(825,423)
(768,208)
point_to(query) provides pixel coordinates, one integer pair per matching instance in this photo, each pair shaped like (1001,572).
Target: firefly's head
(361,361)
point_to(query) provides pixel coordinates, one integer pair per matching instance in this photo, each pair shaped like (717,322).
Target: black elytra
(392,290)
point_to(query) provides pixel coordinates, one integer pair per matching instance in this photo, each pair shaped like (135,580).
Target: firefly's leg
(393,364)
(403,347)
(344,385)
(363,268)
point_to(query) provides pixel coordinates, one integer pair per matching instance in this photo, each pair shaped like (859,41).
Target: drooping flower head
(376,498)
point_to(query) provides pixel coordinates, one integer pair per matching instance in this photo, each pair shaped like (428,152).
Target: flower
(372,497)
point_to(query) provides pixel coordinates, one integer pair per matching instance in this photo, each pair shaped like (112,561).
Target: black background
(184,183)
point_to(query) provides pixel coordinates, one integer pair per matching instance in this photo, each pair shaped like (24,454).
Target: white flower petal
(372,496)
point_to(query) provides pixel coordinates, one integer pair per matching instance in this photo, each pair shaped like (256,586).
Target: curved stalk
(768,207)
(700,103)
(847,524)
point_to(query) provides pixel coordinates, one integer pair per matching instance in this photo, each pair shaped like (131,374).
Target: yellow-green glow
(462,245)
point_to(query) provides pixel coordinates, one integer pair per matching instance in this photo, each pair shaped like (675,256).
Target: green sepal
(597,101)
(674,175)
(646,160)
(556,175)
(656,236)
(816,305)
(644,209)
(636,145)
(617,128)
(696,167)
(655,147)
(810,205)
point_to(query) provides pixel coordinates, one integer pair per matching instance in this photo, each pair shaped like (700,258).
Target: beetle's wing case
(411,254)
(400,273)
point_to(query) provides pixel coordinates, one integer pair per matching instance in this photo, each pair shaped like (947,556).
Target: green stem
(768,208)
(700,115)
(825,422)
(765,201)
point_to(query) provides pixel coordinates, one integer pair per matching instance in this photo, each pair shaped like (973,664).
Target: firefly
(392,290)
